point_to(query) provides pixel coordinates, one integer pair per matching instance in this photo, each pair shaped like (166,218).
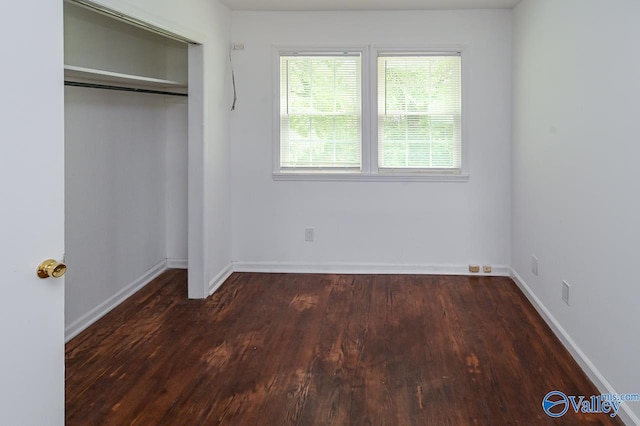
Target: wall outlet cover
(308,235)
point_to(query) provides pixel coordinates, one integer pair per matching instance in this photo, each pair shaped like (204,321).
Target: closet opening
(133,140)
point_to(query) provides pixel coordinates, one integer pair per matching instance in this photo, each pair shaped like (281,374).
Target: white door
(31,213)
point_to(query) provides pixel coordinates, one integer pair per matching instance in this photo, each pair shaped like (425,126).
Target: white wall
(115,193)
(382,223)
(176,184)
(574,188)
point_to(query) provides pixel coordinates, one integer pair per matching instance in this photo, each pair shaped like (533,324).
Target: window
(334,124)
(419,112)
(320,112)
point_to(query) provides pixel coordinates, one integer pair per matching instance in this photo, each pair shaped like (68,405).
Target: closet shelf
(90,74)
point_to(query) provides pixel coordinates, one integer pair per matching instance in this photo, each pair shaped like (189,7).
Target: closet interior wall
(126,162)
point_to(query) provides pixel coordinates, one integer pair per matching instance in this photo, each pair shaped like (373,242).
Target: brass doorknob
(51,268)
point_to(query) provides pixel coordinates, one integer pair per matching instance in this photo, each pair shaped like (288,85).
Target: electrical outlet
(486,269)
(534,265)
(308,235)
(565,291)
(474,268)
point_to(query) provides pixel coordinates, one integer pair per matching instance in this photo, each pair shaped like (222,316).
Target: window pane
(320,112)
(419,112)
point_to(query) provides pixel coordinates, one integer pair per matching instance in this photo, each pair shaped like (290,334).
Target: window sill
(362,177)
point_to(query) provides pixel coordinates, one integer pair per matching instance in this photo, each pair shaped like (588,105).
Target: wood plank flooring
(279,349)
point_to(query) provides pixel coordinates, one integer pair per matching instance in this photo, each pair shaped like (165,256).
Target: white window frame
(369,167)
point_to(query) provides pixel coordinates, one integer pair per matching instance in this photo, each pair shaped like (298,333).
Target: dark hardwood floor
(279,349)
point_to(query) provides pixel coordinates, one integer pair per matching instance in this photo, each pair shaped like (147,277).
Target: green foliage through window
(418,108)
(419,112)
(320,111)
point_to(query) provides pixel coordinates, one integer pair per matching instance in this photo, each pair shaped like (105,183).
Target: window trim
(369,170)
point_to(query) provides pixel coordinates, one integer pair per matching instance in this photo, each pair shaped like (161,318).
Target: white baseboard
(363,268)
(219,279)
(627,416)
(177,264)
(78,326)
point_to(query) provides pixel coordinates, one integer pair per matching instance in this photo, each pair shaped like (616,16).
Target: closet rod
(121,88)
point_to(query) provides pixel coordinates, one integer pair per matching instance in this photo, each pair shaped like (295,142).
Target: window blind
(320,111)
(419,112)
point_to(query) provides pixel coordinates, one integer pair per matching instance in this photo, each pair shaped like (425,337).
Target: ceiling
(302,5)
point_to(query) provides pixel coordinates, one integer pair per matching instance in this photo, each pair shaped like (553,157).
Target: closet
(126,149)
